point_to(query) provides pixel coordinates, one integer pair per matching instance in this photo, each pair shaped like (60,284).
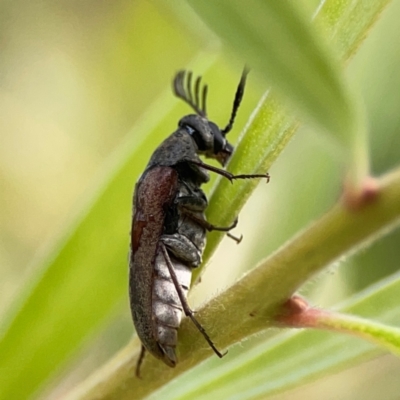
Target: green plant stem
(251,303)
(380,334)
(299,314)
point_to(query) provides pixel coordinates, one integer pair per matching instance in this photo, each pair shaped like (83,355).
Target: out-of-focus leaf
(270,127)
(285,50)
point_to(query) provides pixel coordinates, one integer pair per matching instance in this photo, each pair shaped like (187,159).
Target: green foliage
(79,286)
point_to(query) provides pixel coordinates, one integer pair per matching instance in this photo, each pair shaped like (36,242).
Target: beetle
(168,233)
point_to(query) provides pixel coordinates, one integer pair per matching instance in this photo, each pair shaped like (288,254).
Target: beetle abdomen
(167,307)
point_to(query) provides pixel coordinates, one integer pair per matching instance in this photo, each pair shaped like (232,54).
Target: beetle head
(209,138)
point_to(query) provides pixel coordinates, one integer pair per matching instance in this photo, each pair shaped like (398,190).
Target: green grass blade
(346,22)
(271,127)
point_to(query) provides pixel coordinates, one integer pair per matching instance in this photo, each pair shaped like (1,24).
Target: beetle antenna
(187,95)
(237,101)
(204,99)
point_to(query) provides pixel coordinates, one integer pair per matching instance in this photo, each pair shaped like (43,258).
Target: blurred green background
(75,77)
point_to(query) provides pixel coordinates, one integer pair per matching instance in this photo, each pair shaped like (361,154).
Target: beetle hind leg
(140,361)
(186,308)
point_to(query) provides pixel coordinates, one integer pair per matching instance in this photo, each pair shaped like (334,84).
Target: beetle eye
(220,144)
(197,137)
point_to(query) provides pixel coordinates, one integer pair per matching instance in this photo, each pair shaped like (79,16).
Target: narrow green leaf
(270,127)
(383,335)
(346,22)
(284,49)
(298,313)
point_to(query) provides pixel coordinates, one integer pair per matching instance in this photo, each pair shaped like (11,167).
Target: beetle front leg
(227,174)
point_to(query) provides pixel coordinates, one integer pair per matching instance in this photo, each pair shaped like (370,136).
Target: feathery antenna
(187,95)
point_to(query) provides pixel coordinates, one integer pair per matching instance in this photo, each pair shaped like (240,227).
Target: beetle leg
(227,174)
(210,227)
(140,361)
(191,206)
(186,308)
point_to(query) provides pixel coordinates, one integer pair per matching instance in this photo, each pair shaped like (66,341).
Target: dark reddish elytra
(169,227)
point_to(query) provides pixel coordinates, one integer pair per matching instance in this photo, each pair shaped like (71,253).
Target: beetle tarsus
(229,175)
(251,176)
(236,239)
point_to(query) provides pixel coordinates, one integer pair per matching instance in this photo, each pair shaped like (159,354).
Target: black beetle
(169,227)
